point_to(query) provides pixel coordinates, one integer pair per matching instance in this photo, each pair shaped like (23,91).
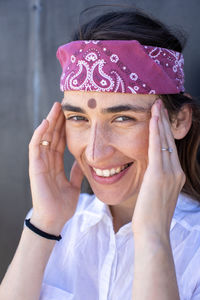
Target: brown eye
(124,119)
(77,118)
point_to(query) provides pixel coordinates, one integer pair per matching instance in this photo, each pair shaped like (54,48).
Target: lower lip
(111,179)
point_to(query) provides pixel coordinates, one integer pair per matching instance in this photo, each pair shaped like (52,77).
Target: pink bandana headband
(123,66)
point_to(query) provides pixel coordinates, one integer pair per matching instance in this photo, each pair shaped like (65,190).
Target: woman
(134,135)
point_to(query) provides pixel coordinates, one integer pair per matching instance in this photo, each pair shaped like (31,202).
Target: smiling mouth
(111,172)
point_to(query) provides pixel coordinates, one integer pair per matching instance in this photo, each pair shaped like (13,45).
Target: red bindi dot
(92,103)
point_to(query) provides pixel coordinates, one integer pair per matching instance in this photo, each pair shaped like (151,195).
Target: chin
(114,197)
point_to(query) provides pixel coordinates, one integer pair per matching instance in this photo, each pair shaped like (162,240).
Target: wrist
(41,232)
(48,226)
(152,236)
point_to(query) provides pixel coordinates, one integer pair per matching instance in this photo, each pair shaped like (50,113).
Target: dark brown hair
(131,24)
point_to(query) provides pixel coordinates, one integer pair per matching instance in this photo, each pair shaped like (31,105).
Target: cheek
(135,142)
(73,141)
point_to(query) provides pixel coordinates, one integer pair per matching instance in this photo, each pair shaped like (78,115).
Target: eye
(77,118)
(124,119)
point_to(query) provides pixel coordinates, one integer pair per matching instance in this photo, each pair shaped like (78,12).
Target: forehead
(104,99)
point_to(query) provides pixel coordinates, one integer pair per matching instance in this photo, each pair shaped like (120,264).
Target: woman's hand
(54,197)
(162,181)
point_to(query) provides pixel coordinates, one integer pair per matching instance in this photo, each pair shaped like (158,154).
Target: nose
(98,148)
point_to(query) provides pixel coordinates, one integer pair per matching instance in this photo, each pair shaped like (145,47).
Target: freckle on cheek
(92,103)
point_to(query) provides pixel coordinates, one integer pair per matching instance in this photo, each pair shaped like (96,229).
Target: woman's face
(107,133)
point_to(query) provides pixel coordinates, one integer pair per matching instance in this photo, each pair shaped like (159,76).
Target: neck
(122,213)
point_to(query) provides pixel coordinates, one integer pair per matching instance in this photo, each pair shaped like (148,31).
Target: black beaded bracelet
(42,233)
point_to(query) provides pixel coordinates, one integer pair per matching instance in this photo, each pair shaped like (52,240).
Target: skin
(147,196)
(106,143)
(108,140)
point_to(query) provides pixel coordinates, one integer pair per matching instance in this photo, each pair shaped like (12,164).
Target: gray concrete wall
(29,83)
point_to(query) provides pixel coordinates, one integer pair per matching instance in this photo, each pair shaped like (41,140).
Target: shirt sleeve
(186,251)
(28,215)
(196,294)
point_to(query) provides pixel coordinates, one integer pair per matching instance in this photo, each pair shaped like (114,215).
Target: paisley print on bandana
(120,66)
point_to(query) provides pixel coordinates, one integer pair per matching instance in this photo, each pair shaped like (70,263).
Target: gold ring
(45,143)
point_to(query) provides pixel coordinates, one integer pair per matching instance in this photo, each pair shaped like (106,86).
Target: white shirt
(92,262)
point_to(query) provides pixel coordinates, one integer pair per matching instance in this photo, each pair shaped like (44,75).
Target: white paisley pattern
(91,56)
(73,59)
(88,82)
(119,84)
(174,60)
(114,58)
(90,41)
(133,76)
(93,66)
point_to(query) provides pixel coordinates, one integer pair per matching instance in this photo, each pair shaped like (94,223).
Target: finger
(52,118)
(76,175)
(57,155)
(171,142)
(57,130)
(154,155)
(166,159)
(62,141)
(34,145)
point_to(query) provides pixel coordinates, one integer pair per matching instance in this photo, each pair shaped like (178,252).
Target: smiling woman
(111,149)
(134,134)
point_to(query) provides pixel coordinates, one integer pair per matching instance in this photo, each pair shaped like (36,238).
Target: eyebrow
(113,109)
(73,108)
(127,107)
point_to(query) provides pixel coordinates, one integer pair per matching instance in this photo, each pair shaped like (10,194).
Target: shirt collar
(94,213)
(97,210)
(186,202)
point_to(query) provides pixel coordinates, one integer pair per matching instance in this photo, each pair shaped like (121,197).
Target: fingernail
(166,112)
(159,103)
(157,100)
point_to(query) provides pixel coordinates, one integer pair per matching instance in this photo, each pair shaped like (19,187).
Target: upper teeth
(107,173)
